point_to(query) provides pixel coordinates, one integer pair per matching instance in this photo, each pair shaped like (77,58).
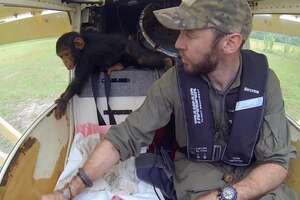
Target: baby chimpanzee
(94,52)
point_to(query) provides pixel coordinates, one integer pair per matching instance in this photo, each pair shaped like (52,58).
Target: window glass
(283,52)
(31,75)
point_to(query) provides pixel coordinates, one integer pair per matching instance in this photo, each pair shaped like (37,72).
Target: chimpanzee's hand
(60,109)
(168,63)
(115,67)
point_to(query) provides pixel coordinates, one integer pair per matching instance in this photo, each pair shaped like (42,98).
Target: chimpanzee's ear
(79,43)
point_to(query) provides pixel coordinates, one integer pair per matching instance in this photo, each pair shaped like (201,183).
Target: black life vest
(247,117)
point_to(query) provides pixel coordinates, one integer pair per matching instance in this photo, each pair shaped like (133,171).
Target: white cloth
(120,182)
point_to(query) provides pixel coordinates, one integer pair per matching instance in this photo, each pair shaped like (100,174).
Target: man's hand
(260,181)
(53,196)
(61,108)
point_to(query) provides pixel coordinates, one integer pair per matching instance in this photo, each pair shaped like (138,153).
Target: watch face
(228,193)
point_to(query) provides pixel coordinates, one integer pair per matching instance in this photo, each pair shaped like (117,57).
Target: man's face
(198,51)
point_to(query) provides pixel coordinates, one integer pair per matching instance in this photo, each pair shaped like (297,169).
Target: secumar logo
(246,89)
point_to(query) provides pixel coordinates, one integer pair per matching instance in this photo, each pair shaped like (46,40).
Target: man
(229,115)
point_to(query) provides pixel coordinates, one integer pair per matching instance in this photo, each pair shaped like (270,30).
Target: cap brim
(173,18)
(169,17)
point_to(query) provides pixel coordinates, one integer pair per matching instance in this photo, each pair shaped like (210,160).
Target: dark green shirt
(163,100)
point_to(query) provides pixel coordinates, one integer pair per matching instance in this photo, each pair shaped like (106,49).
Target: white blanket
(120,183)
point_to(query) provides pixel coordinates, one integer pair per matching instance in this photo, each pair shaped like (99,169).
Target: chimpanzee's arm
(152,60)
(73,88)
(82,72)
(145,57)
(99,54)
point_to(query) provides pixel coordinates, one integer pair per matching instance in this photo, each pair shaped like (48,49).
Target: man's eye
(192,35)
(189,35)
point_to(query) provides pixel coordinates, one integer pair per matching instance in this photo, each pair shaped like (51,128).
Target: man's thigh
(193,179)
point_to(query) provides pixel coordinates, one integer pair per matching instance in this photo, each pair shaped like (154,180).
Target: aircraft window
(283,52)
(31,75)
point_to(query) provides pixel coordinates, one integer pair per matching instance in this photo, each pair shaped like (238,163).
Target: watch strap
(84,178)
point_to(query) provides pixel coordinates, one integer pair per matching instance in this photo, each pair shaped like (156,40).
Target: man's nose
(180,44)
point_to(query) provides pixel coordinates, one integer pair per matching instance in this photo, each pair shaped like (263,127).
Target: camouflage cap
(229,16)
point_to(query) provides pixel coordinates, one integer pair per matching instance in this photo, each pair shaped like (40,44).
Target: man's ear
(232,43)
(79,43)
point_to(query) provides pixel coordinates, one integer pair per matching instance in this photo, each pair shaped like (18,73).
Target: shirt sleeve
(138,129)
(274,145)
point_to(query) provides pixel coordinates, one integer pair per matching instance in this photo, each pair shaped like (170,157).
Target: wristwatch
(227,193)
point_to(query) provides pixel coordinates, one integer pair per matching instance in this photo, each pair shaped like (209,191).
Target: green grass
(287,67)
(30,71)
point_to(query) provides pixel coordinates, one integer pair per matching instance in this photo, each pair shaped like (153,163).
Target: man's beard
(207,65)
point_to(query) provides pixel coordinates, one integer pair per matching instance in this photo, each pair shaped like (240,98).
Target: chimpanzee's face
(67,58)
